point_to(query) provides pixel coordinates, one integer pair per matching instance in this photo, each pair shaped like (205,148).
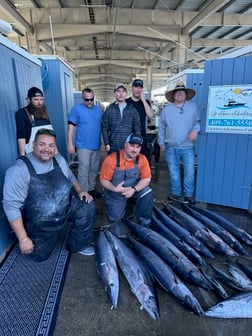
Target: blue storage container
(57,77)
(225,159)
(19,71)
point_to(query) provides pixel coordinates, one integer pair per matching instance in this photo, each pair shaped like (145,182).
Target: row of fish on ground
(180,248)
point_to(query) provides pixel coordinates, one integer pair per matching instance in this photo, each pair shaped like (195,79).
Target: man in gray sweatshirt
(179,125)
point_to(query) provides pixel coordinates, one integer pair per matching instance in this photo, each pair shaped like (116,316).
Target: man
(86,118)
(119,120)
(143,107)
(179,125)
(29,119)
(40,195)
(126,174)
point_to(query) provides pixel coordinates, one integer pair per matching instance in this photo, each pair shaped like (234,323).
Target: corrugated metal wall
(225,160)
(58,90)
(19,71)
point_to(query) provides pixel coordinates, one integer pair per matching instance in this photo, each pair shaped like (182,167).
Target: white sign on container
(229,109)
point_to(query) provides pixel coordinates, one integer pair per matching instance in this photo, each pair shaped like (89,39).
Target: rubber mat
(30,292)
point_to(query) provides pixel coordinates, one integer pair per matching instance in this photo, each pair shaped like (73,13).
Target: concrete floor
(84,309)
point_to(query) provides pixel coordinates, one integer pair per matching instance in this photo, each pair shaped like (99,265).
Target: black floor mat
(30,292)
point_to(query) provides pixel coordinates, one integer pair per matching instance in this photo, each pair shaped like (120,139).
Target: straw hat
(179,86)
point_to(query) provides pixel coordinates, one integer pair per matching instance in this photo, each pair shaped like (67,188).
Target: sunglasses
(46,131)
(88,99)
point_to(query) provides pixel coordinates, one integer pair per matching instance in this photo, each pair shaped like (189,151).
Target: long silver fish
(171,254)
(241,234)
(201,232)
(137,275)
(107,268)
(188,250)
(238,306)
(217,286)
(227,279)
(166,277)
(246,268)
(182,233)
(216,228)
(240,277)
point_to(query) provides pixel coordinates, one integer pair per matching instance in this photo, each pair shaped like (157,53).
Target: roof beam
(211,8)
(199,43)
(92,62)
(13,13)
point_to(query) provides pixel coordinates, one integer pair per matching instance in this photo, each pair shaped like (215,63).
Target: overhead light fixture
(5,27)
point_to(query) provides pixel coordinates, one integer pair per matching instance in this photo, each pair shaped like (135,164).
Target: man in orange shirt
(126,174)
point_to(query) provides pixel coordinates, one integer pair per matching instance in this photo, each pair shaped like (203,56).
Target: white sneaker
(88,251)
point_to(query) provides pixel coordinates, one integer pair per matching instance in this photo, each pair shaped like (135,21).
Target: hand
(26,246)
(192,136)
(162,148)
(142,95)
(124,191)
(70,149)
(84,196)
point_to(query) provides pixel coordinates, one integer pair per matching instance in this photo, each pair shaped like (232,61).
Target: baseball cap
(134,139)
(137,82)
(120,85)
(34,92)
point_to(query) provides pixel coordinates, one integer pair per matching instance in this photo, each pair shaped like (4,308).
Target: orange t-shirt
(109,166)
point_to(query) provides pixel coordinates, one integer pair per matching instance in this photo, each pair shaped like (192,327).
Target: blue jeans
(187,156)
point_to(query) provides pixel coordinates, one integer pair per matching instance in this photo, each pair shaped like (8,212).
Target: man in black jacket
(119,120)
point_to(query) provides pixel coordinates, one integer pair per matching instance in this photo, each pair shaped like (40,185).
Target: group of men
(42,195)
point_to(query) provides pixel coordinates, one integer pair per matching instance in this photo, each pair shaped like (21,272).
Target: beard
(38,112)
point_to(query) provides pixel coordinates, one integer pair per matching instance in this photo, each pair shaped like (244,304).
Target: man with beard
(30,119)
(125,175)
(42,198)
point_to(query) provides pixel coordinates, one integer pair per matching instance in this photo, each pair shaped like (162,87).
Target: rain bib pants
(116,203)
(49,205)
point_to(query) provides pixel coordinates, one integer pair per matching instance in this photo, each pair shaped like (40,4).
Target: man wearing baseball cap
(125,175)
(29,119)
(143,107)
(119,120)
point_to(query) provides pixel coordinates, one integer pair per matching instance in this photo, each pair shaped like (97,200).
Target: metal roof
(110,41)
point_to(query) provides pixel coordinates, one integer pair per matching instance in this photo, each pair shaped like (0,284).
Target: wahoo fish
(201,232)
(217,287)
(241,234)
(171,254)
(137,275)
(241,278)
(247,269)
(216,228)
(238,306)
(227,279)
(159,227)
(107,268)
(166,277)
(182,233)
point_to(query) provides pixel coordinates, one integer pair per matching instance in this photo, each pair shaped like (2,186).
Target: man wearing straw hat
(179,125)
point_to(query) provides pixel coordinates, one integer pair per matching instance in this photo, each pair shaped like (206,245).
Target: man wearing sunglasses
(86,118)
(42,196)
